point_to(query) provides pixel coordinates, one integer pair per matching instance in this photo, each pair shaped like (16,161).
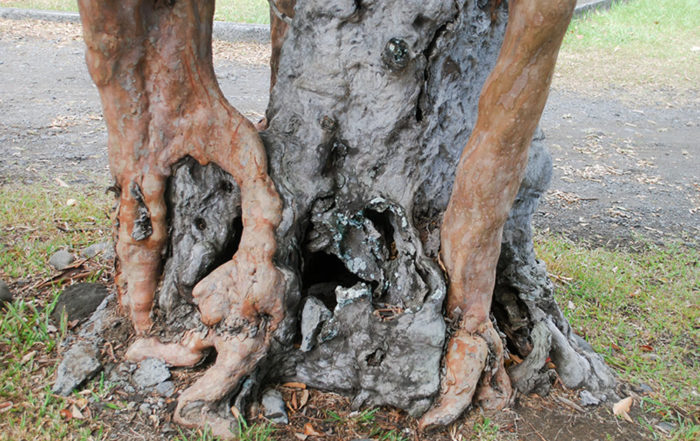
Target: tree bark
(328,271)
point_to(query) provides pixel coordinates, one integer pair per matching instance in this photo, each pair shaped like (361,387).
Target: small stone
(643,389)
(145,409)
(61,259)
(150,372)
(79,364)
(166,389)
(313,316)
(167,428)
(105,250)
(79,301)
(666,427)
(588,399)
(5,293)
(274,406)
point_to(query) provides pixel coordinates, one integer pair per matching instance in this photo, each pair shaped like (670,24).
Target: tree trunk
(373,105)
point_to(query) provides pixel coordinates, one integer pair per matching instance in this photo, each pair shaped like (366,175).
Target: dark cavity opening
(382,222)
(513,320)
(232,244)
(375,358)
(323,272)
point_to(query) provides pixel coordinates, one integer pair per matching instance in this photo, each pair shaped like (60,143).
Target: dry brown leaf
(622,407)
(304,398)
(294,385)
(66,414)
(301,436)
(28,356)
(294,405)
(235,412)
(7,405)
(310,431)
(76,413)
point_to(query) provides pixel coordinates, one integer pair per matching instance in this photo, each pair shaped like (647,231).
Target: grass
(34,223)
(652,43)
(642,312)
(240,11)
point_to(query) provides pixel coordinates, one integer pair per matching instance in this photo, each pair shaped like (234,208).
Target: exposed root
(237,356)
(464,363)
(495,390)
(186,353)
(489,174)
(153,66)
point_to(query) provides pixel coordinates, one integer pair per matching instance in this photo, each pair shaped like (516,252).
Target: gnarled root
(490,171)
(152,63)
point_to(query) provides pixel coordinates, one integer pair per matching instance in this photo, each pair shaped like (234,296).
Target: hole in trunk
(513,319)
(231,246)
(375,358)
(382,222)
(322,273)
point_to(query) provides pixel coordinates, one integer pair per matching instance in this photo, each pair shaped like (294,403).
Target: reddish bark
(152,64)
(488,176)
(280,12)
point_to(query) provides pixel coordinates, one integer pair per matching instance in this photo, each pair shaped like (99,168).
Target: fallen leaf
(66,414)
(235,412)
(294,405)
(310,431)
(294,385)
(304,398)
(301,436)
(76,413)
(622,407)
(646,348)
(28,356)
(7,405)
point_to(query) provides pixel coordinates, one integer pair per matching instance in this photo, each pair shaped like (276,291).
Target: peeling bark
(331,275)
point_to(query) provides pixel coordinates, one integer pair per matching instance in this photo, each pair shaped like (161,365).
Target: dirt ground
(621,171)
(624,174)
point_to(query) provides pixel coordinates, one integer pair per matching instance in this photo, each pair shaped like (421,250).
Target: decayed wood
(488,176)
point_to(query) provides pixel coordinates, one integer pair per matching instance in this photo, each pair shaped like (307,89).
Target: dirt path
(621,172)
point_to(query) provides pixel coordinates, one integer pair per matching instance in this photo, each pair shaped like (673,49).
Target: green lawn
(641,46)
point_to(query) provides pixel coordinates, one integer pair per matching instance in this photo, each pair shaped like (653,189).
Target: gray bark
(373,105)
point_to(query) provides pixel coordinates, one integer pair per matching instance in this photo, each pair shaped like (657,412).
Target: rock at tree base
(61,260)
(588,399)
(79,301)
(104,250)
(6,295)
(313,316)
(166,389)
(150,372)
(275,409)
(79,364)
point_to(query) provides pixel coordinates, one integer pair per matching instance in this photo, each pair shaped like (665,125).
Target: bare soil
(624,175)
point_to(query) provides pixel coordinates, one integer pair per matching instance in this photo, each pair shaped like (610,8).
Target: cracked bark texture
(373,105)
